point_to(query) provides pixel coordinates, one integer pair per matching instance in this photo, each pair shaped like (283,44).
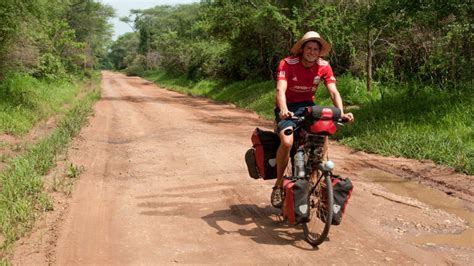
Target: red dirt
(165,182)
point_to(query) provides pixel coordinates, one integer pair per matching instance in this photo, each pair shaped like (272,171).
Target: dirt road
(165,182)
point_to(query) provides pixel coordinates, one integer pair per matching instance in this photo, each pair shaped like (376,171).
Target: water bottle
(299,164)
(328,165)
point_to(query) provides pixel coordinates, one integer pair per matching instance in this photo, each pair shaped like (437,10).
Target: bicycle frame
(320,202)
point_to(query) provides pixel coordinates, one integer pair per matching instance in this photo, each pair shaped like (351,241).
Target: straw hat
(311,36)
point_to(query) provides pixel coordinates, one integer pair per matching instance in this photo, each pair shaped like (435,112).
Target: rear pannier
(261,158)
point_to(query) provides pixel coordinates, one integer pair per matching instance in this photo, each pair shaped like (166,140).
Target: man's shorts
(295,108)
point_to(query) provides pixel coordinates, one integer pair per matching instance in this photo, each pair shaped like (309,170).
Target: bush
(137,67)
(19,90)
(25,100)
(50,67)
(353,92)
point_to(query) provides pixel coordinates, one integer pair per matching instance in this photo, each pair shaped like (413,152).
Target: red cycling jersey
(303,82)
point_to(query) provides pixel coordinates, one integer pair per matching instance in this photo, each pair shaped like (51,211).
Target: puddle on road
(432,197)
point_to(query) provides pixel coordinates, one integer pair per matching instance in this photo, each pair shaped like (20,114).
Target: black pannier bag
(296,205)
(261,158)
(342,189)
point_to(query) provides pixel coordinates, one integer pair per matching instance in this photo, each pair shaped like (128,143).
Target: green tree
(89,20)
(389,41)
(258,34)
(123,49)
(441,47)
(39,36)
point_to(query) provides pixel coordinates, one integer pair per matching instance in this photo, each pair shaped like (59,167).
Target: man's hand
(349,117)
(284,114)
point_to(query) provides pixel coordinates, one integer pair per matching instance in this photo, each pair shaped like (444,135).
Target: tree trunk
(369,61)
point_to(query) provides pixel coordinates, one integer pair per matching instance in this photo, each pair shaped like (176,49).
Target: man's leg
(282,158)
(283,155)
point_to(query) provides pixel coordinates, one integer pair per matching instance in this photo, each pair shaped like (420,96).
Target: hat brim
(325,49)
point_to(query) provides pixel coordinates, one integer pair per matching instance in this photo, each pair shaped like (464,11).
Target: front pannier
(261,158)
(295,206)
(342,191)
(342,188)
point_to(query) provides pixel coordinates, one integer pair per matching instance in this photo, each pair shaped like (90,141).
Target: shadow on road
(261,224)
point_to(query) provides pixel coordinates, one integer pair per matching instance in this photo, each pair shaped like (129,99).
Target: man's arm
(281,99)
(335,96)
(337,101)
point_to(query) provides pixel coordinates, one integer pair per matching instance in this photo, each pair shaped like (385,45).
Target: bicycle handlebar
(300,119)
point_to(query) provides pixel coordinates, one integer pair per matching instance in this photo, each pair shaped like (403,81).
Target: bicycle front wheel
(320,203)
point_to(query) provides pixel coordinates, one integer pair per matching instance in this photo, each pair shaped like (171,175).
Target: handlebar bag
(261,158)
(320,119)
(295,205)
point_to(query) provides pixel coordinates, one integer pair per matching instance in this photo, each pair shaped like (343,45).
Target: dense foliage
(51,38)
(44,47)
(388,41)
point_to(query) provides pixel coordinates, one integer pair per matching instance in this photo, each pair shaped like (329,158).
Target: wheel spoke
(317,229)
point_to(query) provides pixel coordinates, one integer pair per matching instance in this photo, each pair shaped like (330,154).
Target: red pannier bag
(342,191)
(295,205)
(261,158)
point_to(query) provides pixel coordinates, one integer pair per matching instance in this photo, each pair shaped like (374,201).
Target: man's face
(311,52)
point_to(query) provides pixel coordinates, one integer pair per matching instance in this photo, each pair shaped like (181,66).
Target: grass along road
(22,195)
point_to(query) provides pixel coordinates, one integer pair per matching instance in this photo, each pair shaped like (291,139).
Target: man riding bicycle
(297,81)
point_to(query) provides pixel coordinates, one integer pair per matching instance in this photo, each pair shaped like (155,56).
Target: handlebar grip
(344,120)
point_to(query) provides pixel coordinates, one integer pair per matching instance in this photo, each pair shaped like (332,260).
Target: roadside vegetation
(403,67)
(431,123)
(22,197)
(25,100)
(50,52)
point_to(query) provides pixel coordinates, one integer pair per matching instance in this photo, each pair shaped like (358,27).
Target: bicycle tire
(317,228)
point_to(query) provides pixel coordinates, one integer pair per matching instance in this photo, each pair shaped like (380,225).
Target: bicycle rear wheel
(320,203)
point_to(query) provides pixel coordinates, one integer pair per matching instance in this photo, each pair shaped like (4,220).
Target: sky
(123,7)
